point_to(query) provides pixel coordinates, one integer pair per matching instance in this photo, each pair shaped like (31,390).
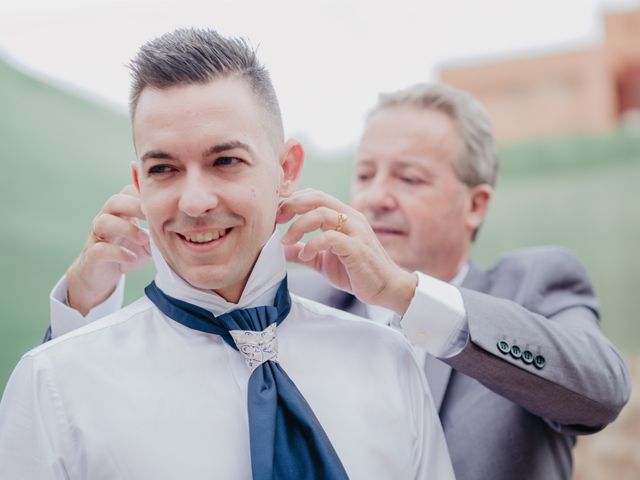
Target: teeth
(205,237)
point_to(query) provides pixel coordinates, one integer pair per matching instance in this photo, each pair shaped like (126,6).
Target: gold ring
(342,219)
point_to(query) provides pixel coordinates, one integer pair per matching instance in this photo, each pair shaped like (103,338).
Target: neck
(259,288)
(449,269)
(233,293)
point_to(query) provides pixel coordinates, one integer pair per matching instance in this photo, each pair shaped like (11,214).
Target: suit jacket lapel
(476,279)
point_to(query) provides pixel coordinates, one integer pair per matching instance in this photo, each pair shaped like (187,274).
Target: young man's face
(406,185)
(210,177)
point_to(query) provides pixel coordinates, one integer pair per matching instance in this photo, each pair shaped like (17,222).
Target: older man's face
(210,179)
(406,185)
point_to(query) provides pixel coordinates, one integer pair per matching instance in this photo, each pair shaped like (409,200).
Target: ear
(479,197)
(135,175)
(291,160)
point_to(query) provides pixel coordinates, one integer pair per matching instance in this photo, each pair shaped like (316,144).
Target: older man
(218,372)
(515,356)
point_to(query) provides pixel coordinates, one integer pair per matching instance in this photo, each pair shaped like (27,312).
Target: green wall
(62,156)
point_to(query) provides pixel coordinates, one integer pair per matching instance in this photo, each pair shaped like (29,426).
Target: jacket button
(527,357)
(516,352)
(539,362)
(504,347)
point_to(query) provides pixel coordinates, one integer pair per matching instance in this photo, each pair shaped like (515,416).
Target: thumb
(291,253)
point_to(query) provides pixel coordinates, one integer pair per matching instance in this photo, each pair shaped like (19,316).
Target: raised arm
(116,244)
(542,346)
(541,302)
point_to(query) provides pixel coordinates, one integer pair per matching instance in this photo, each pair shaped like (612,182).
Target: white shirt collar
(261,288)
(460,276)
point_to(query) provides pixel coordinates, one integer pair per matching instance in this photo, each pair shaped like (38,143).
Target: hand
(116,245)
(352,259)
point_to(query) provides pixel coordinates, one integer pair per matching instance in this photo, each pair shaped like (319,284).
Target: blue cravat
(286,439)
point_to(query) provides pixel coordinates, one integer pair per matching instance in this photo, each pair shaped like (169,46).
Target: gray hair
(478,162)
(191,55)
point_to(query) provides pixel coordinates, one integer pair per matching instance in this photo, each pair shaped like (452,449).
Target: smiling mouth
(387,231)
(205,237)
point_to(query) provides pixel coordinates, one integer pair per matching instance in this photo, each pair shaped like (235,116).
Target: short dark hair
(194,55)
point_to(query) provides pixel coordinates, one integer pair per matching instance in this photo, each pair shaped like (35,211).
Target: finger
(111,228)
(124,205)
(331,241)
(131,190)
(321,218)
(139,250)
(307,200)
(146,246)
(103,252)
(142,257)
(292,254)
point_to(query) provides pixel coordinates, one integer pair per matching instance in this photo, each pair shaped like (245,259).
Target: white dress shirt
(435,322)
(135,395)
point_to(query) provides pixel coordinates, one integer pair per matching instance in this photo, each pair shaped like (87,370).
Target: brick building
(579,91)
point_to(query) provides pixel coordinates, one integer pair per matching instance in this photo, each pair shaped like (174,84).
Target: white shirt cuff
(436,319)
(65,319)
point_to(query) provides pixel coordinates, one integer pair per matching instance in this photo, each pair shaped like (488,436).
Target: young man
(209,375)
(515,357)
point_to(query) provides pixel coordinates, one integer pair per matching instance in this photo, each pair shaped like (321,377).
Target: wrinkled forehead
(409,133)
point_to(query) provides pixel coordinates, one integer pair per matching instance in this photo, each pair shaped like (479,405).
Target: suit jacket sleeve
(548,308)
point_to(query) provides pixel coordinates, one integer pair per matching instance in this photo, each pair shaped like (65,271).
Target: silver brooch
(257,347)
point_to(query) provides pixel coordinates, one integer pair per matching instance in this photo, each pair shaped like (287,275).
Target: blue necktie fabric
(286,439)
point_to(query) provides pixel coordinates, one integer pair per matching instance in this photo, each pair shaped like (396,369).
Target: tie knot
(254,319)
(257,347)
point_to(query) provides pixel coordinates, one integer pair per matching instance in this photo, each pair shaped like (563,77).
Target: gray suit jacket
(505,414)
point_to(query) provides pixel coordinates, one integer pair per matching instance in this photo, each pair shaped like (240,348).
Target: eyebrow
(222,147)
(400,164)
(230,145)
(395,164)
(157,154)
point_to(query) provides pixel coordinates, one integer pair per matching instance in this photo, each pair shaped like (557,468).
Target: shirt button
(527,357)
(504,347)
(539,362)
(516,352)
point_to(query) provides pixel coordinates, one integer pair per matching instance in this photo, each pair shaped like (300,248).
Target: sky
(328,59)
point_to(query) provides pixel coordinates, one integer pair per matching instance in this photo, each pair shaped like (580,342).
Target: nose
(376,197)
(199,196)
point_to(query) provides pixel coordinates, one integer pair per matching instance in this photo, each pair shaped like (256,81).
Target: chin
(205,278)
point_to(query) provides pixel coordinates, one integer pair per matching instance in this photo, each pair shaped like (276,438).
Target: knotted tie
(286,439)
